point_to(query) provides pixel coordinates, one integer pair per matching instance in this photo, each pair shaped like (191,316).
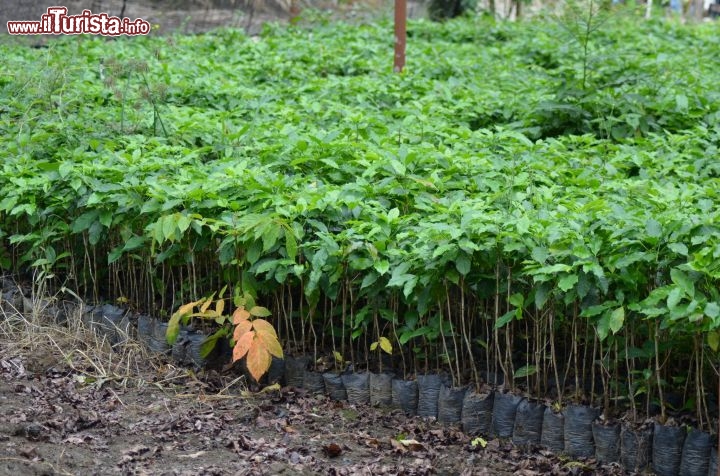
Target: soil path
(57,421)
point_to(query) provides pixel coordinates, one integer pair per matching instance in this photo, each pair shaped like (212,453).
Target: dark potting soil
(713,466)
(667,449)
(179,348)
(528,423)
(405,395)
(313,382)
(158,342)
(553,431)
(295,370)
(504,411)
(380,389)
(477,413)
(428,393)
(357,387)
(145,326)
(276,372)
(450,404)
(192,351)
(578,430)
(607,442)
(334,386)
(635,448)
(696,453)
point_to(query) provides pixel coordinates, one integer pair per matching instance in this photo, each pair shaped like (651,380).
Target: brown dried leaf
(243,345)
(241,328)
(258,360)
(240,314)
(406,445)
(332,450)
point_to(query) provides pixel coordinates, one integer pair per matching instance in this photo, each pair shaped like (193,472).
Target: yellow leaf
(478,441)
(263,325)
(386,345)
(207,303)
(219,307)
(270,388)
(208,314)
(373,346)
(258,361)
(187,308)
(240,314)
(338,356)
(270,343)
(243,345)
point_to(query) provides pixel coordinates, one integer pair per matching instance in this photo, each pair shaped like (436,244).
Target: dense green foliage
(513,196)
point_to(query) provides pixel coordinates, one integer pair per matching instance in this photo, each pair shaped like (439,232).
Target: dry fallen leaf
(332,450)
(193,455)
(406,445)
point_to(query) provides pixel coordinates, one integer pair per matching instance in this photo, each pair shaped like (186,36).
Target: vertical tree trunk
(400,35)
(699,9)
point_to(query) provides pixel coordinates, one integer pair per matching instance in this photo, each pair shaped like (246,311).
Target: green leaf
(504,319)
(681,103)
(603,326)
(462,264)
(382,266)
(617,318)
(525,371)
(674,298)
(713,339)
(407,335)
(369,280)
(517,300)
(653,228)
(679,248)
(169,224)
(291,246)
(540,254)
(84,221)
(259,311)
(712,309)
(209,344)
(567,282)
(683,281)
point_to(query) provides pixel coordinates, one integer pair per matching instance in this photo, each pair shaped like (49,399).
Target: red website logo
(57,22)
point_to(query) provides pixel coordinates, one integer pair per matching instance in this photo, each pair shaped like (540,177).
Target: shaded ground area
(171,421)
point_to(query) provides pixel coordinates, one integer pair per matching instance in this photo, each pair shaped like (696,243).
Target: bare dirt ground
(59,421)
(72,406)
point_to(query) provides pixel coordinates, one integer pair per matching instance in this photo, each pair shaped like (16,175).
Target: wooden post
(400,34)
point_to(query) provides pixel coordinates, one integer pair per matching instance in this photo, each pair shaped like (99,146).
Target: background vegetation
(536,199)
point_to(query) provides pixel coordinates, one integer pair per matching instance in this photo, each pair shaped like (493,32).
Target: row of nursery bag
(576,430)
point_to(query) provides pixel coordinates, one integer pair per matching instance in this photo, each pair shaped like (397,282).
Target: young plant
(253,338)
